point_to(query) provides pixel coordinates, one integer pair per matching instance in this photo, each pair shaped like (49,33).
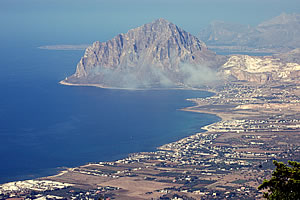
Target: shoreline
(240,138)
(186,109)
(158,148)
(63,82)
(223,117)
(65,47)
(61,172)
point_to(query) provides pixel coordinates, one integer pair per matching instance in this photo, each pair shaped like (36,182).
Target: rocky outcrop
(260,70)
(153,55)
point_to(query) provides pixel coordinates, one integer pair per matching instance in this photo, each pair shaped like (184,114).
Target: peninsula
(65,47)
(157,54)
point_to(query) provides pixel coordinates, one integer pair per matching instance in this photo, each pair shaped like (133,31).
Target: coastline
(218,114)
(65,47)
(158,148)
(63,82)
(222,116)
(242,139)
(74,175)
(187,109)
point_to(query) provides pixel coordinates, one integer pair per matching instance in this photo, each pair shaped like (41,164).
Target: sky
(46,22)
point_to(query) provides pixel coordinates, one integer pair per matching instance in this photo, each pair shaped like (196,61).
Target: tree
(285,182)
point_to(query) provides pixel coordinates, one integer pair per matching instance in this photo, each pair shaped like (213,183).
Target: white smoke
(153,76)
(197,75)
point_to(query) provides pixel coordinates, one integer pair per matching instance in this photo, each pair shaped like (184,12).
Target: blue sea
(226,53)
(45,126)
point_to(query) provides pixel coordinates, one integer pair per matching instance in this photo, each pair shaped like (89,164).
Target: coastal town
(227,159)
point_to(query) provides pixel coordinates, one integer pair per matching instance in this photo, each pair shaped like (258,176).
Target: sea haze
(45,125)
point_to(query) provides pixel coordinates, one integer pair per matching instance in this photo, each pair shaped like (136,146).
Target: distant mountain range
(281,33)
(158,54)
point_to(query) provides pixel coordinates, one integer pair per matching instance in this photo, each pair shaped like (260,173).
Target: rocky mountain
(223,33)
(261,70)
(158,54)
(280,32)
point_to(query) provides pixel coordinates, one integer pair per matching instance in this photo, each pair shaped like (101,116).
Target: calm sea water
(44,125)
(226,53)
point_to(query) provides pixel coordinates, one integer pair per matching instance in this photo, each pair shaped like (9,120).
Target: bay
(46,126)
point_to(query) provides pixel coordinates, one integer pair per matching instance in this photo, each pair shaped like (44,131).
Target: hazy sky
(84,21)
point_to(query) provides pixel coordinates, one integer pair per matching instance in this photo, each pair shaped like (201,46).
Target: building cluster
(18,188)
(241,93)
(50,190)
(254,125)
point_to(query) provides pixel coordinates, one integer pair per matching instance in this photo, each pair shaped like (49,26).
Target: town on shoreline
(230,159)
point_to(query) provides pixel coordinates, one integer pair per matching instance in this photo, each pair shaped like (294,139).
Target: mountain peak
(150,55)
(160,25)
(161,21)
(282,19)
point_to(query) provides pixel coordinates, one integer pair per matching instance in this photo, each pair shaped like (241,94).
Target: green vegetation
(285,182)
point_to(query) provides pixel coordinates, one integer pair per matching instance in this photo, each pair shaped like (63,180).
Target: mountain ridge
(281,33)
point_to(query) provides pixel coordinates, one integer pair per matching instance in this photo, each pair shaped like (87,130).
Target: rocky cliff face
(261,70)
(153,55)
